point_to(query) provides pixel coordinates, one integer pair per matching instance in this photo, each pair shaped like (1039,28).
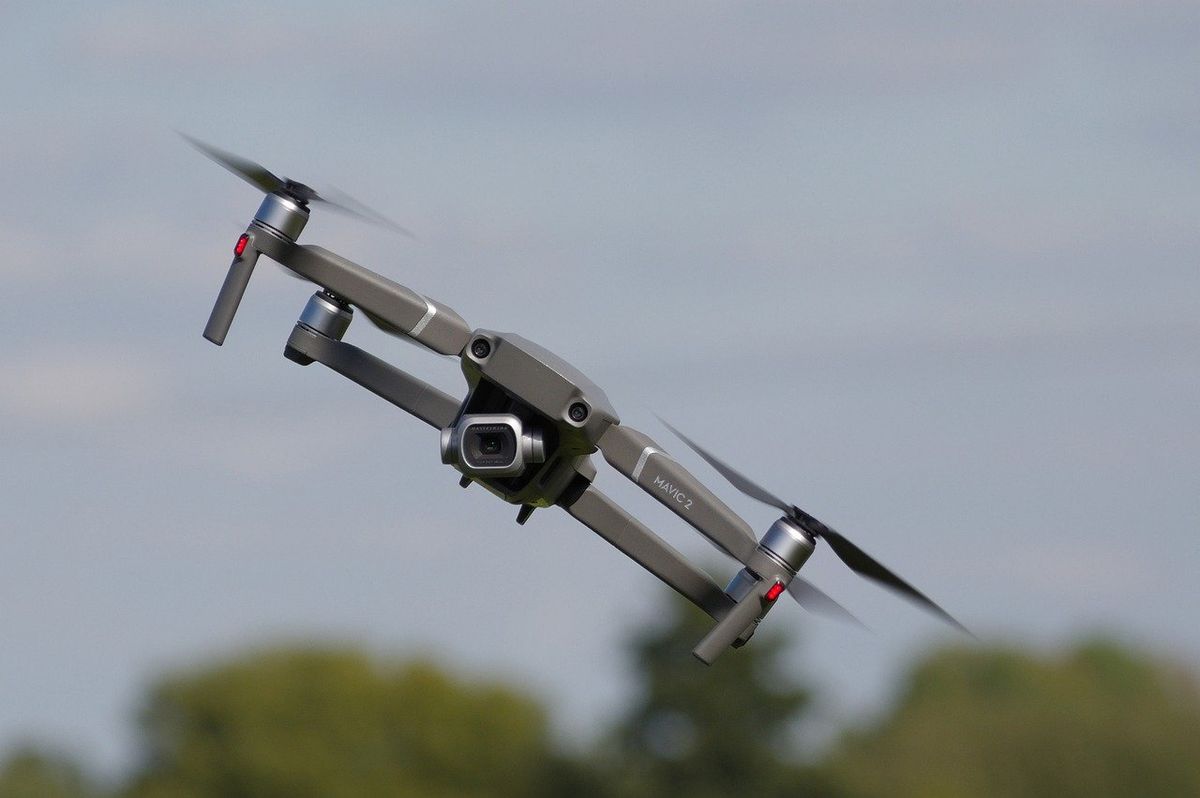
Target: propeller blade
(341,201)
(864,564)
(857,559)
(253,173)
(267,182)
(816,601)
(811,597)
(736,479)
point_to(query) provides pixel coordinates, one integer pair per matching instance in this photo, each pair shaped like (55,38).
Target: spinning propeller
(858,560)
(284,212)
(267,182)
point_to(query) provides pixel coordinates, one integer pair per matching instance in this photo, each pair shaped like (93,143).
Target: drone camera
(491,445)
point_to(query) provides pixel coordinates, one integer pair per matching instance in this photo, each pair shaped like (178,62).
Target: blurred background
(928,269)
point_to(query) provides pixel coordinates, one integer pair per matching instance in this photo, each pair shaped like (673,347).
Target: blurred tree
(333,723)
(1101,721)
(28,773)
(708,731)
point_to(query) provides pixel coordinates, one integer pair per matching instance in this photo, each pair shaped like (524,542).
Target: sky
(927,269)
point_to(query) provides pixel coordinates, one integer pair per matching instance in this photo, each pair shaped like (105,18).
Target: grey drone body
(529,423)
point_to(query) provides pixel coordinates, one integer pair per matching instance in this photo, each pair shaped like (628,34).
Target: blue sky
(928,269)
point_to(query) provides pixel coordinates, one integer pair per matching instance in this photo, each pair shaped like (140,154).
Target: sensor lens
(491,442)
(489,446)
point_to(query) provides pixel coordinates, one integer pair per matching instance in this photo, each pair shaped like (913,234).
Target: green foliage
(28,773)
(333,723)
(1100,721)
(707,731)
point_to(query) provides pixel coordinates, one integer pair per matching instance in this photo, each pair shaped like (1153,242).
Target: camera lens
(489,445)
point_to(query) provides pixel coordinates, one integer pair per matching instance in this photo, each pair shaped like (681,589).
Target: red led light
(774,591)
(240,246)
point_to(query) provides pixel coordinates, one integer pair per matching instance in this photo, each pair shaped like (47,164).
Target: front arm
(640,459)
(393,307)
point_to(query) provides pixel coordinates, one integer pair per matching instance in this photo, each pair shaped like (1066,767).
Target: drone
(530,423)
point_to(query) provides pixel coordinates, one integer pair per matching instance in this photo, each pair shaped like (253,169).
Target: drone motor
(283,214)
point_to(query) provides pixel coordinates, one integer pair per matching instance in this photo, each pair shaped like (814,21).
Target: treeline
(1098,720)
